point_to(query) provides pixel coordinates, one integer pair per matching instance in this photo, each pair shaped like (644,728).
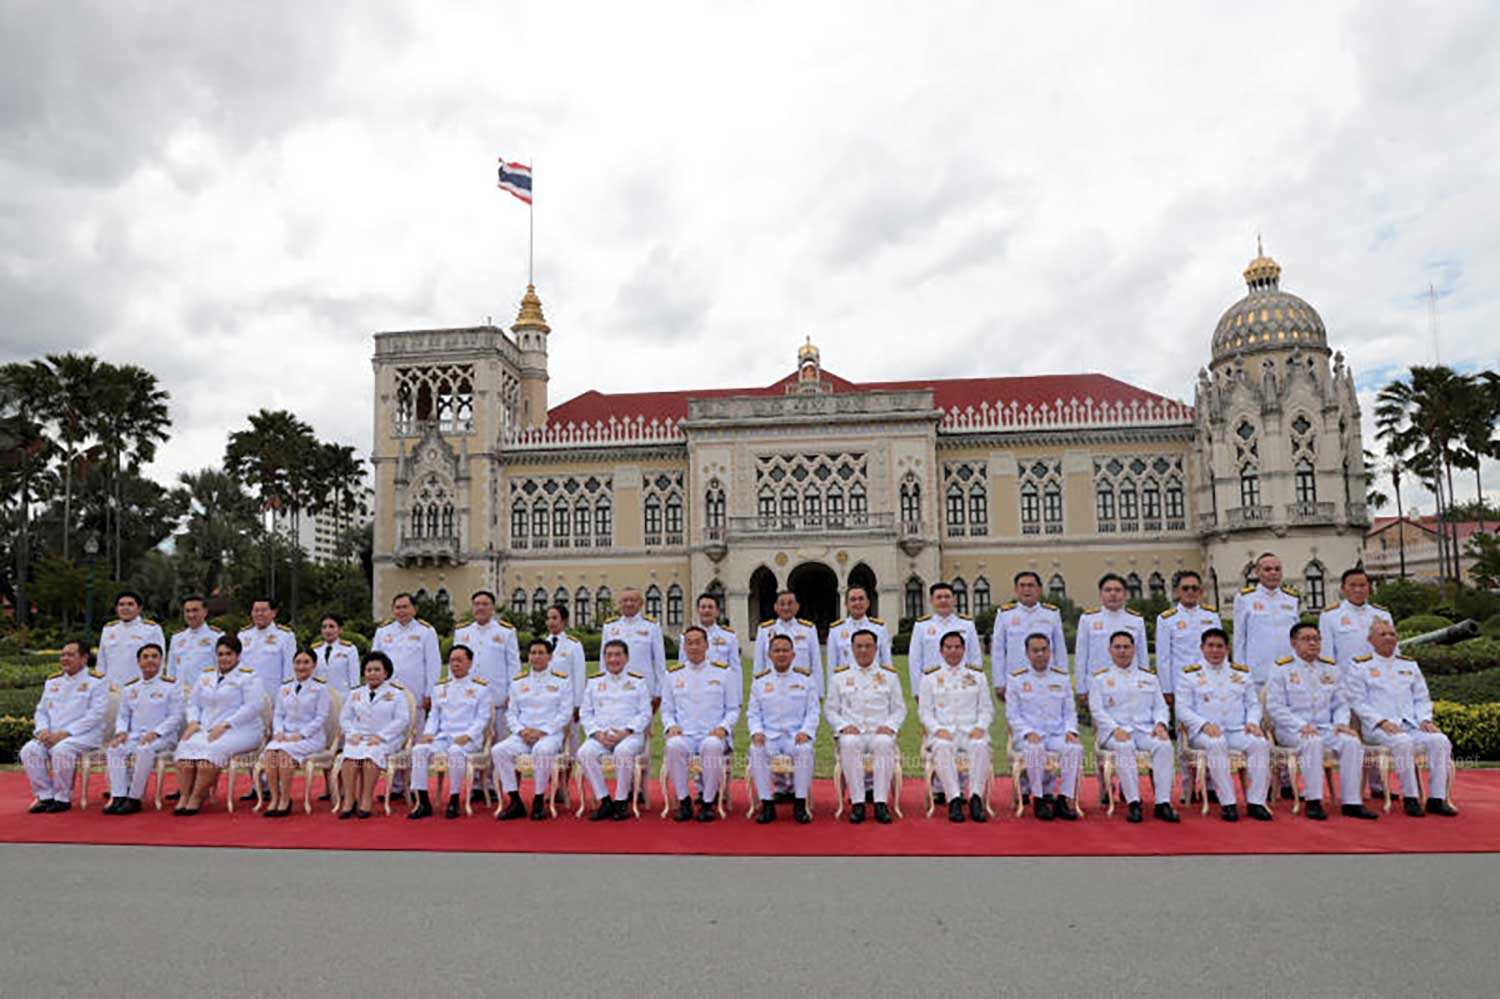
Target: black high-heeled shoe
(364,814)
(347,815)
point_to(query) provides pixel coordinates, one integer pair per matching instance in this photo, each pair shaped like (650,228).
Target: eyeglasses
(1189,586)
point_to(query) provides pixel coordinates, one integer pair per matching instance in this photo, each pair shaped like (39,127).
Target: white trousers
(1163,761)
(63,756)
(852,749)
(945,762)
(543,751)
(591,760)
(1257,762)
(711,748)
(1405,745)
(1070,757)
(782,744)
(457,757)
(1350,754)
(130,765)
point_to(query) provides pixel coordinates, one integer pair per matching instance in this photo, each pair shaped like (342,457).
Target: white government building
(815,483)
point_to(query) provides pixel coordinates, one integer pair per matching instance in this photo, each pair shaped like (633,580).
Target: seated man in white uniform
(865,706)
(1218,705)
(615,713)
(69,722)
(783,720)
(700,702)
(539,713)
(956,712)
(148,722)
(461,710)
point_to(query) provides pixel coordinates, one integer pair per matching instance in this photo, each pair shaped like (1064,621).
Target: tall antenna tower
(1432,323)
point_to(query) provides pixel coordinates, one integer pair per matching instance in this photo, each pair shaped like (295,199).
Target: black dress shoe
(1063,808)
(1412,807)
(514,810)
(621,811)
(422,811)
(707,811)
(1259,813)
(783,797)
(538,808)
(1286,793)
(1357,812)
(248,796)
(1437,806)
(1044,809)
(1165,812)
(177,796)
(113,808)
(362,814)
(326,796)
(1133,812)
(767,813)
(857,814)
(882,813)
(955,810)
(185,811)
(42,807)
(976,809)
(1314,811)
(1229,813)
(451,812)
(800,812)
(606,810)
(130,806)
(939,798)
(60,806)
(684,811)
(345,815)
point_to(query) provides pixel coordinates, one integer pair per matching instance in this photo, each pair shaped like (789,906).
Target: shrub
(1466,657)
(1403,598)
(20,701)
(1480,687)
(1474,729)
(14,733)
(18,674)
(1419,624)
(1491,627)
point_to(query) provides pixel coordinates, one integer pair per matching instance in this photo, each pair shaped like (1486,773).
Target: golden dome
(530,317)
(807,352)
(1267,318)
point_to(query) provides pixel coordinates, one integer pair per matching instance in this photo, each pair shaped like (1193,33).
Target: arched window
(1249,488)
(443,600)
(981,595)
(432,521)
(955,509)
(420,597)
(835,499)
(416,520)
(1128,508)
(911,500)
(518,601)
(960,595)
(604,602)
(765,503)
(789,506)
(1133,587)
(858,504)
(651,515)
(518,524)
(1158,585)
(1031,509)
(560,596)
(1052,511)
(713,505)
(979,509)
(1313,585)
(653,601)
(1151,501)
(812,507)
(582,610)
(1306,483)
(539,601)
(674,606)
(561,522)
(674,519)
(916,598)
(1104,506)
(581,523)
(1174,500)
(604,522)
(540,522)
(1057,588)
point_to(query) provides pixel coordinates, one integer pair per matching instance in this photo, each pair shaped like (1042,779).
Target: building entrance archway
(864,577)
(817,589)
(762,596)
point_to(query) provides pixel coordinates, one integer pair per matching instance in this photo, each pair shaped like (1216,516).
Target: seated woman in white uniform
(301,712)
(224,718)
(375,719)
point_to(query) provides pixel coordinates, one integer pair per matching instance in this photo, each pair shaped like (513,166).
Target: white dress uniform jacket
(1263,622)
(1041,702)
(783,706)
(497,653)
(926,642)
(539,699)
(119,641)
(804,636)
(1094,628)
(193,651)
(841,638)
(338,664)
(147,707)
(1014,621)
(384,712)
(1179,641)
(1130,699)
(268,653)
(957,698)
(461,707)
(73,704)
(1392,689)
(1345,631)
(698,698)
(613,701)
(301,715)
(235,699)
(1225,695)
(866,698)
(1302,693)
(642,635)
(413,648)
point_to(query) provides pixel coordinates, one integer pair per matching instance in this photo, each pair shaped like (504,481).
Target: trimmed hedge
(14,732)
(20,701)
(1420,624)
(1474,729)
(1482,687)
(1470,656)
(14,676)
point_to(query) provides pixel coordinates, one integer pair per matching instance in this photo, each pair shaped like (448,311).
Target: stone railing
(1309,512)
(1072,414)
(604,433)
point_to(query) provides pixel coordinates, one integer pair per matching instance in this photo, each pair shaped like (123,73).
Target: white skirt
(375,752)
(299,749)
(218,752)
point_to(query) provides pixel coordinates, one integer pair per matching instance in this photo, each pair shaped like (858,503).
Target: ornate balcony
(429,549)
(1249,516)
(1309,512)
(812,524)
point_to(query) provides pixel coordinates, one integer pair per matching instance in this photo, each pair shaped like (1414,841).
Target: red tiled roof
(1428,523)
(950,394)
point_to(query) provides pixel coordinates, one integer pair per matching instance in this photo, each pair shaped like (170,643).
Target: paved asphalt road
(159,922)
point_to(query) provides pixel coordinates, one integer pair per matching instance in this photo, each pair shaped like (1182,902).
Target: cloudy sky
(238,196)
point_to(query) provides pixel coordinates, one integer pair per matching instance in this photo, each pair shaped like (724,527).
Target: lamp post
(91,553)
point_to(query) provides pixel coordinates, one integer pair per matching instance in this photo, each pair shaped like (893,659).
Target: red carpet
(1476,830)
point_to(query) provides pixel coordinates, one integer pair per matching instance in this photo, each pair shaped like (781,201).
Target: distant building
(1384,539)
(816,483)
(317,534)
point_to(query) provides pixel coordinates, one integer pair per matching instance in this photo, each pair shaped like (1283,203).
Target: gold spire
(530,317)
(807,352)
(1262,272)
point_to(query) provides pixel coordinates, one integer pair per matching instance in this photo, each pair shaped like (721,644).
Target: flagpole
(531,230)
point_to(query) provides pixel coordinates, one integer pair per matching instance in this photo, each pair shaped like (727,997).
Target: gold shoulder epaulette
(1239,668)
(1149,669)
(559,674)
(875,620)
(96,674)
(924,617)
(888,668)
(836,669)
(423,621)
(1325,659)
(129,682)
(612,619)
(1364,658)
(387,621)
(1058,670)
(285,629)
(767,624)
(966,617)
(504,623)
(294,680)
(760,674)
(54,676)
(1193,668)
(1246,591)
(462,623)
(836,623)
(1020,672)
(804,621)
(319,679)
(397,685)
(1168,613)
(1101,672)
(479,680)
(1380,607)
(1283,660)
(931,669)
(166,679)
(521,675)
(675,667)
(805,671)
(1408,659)
(1210,609)
(1008,605)
(725,627)
(446,679)
(345,645)
(1291,591)
(721,665)
(155,622)
(634,674)
(209,669)
(1049,606)
(1132,610)
(977,669)
(247,669)
(648,617)
(113,620)
(318,644)
(1092,610)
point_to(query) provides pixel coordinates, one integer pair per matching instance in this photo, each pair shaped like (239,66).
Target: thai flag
(516,178)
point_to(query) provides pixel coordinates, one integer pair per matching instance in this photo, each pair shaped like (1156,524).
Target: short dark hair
(149,645)
(1114,577)
(857,586)
(377,656)
(1181,574)
(1358,570)
(538,641)
(1037,634)
(232,643)
(1213,633)
(194,598)
(950,634)
(408,596)
(864,631)
(331,616)
(562,611)
(1299,627)
(779,638)
(461,647)
(77,643)
(939,585)
(1122,633)
(706,595)
(1023,574)
(786,593)
(482,593)
(1263,556)
(303,650)
(268,601)
(615,643)
(122,594)
(695,627)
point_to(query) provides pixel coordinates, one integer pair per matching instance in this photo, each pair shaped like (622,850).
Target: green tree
(274,458)
(131,420)
(339,489)
(25,451)
(71,410)
(1484,549)
(218,531)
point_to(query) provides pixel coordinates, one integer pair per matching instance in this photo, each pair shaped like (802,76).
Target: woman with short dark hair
(224,720)
(375,721)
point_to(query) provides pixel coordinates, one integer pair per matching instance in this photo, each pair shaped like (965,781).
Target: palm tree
(72,409)
(25,449)
(1374,498)
(339,486)
(1480,411)
(272,457)
(216,531)
(132,420)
